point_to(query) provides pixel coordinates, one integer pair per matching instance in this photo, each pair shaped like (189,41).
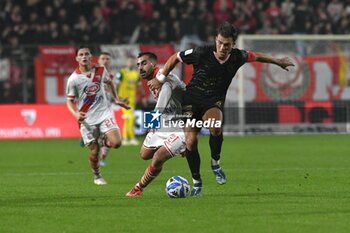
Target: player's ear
(154,64)
(76,59)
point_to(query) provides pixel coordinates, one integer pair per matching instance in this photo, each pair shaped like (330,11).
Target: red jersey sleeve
(251,56)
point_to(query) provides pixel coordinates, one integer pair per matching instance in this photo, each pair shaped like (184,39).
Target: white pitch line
(174,171)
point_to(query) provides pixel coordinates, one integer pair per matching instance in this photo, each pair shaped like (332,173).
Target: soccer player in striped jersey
(214,68)
(85,87)
(161,144)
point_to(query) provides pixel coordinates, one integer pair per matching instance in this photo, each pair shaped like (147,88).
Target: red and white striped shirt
(88,91)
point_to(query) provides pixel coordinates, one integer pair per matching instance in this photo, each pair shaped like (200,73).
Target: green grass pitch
(294,183)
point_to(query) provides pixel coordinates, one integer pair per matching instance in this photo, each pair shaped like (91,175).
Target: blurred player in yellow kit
(128,82)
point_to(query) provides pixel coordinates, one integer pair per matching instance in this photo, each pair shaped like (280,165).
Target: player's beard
(145,75)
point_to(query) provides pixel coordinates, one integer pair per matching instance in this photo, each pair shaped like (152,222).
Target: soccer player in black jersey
(214,68)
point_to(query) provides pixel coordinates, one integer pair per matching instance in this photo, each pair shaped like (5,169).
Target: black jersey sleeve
(241,56)
(192,56)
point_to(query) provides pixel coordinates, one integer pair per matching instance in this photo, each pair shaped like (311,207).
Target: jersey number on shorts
(110,122)
(172,138)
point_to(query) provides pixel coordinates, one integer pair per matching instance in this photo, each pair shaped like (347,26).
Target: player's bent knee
(143,156)
(215,131)
(94,149)
(94,153)
(191,143)
(116,144)
(146,154)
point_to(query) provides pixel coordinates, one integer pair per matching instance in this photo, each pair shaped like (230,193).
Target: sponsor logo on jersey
(92,89)
(90,101)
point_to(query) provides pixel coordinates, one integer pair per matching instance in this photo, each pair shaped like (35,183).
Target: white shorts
(91,133)
(174,142)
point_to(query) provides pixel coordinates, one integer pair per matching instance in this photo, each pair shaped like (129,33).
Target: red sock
(104,152)
(95,167)
(150,174)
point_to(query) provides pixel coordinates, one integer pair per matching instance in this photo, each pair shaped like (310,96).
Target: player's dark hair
(105,53)
(149,54)
(227,30)
(82,47)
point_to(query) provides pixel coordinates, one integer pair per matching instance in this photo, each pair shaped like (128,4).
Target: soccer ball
(177,187)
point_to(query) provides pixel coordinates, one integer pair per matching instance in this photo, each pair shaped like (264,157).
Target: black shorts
(195,109)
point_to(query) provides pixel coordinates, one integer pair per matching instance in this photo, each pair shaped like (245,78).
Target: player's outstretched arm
(122,102)
(283,62)
(156,83)
(111,89)
(170,64)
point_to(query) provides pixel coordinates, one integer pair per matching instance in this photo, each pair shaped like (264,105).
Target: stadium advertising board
(39,121)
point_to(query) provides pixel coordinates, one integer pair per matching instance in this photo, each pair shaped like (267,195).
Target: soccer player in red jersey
(161,144)
(85,87)
(214,68)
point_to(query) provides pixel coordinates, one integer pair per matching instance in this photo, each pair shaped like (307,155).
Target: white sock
(196,181)
(215,162)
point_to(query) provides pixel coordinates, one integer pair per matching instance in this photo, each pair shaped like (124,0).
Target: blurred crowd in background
(25,24)
(163,21)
